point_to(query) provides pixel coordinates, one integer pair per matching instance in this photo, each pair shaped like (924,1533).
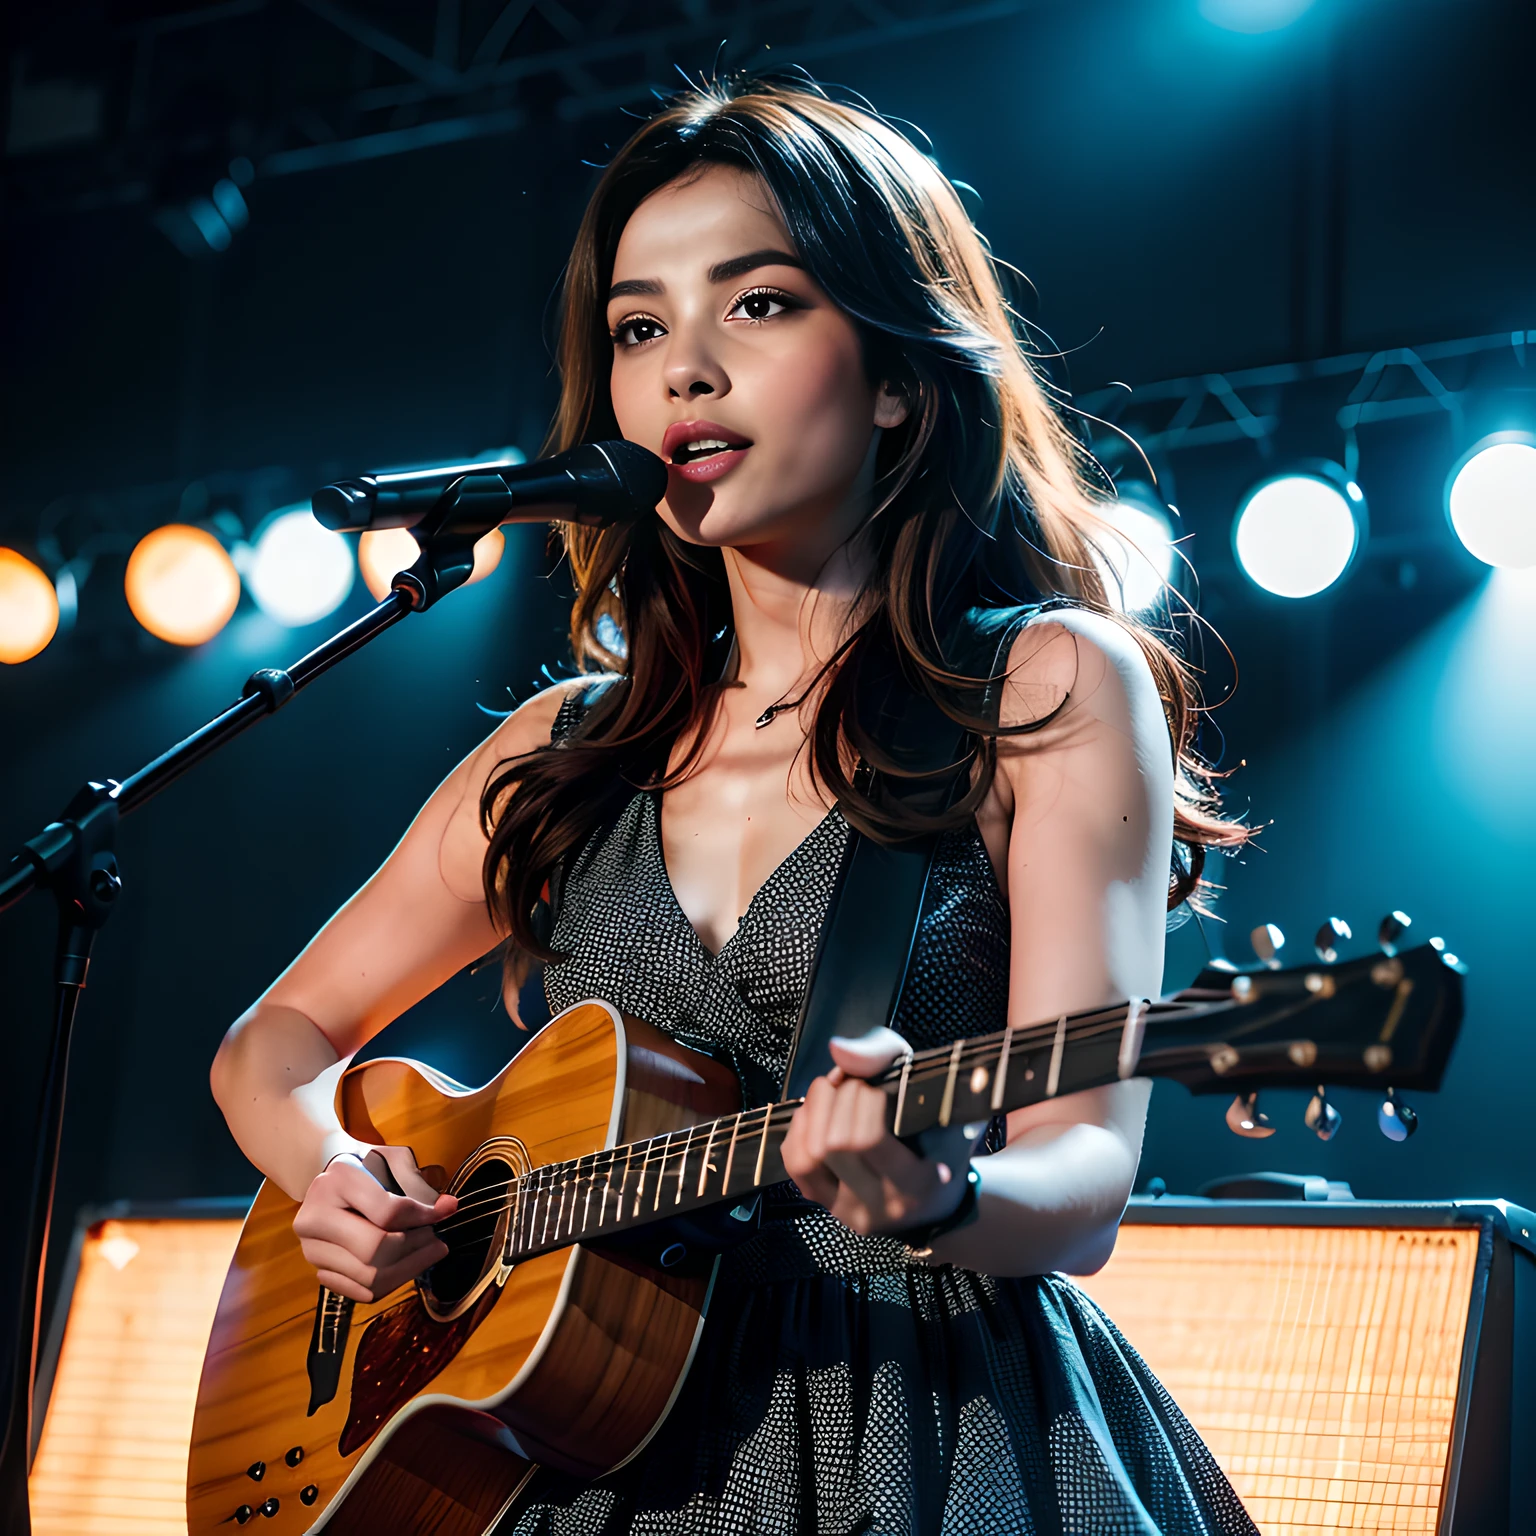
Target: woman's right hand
(363,1240)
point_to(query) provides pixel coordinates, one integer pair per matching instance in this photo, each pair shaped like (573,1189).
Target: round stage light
(1253,15)
(1137,554)
(1296,533)
(181,584)
(1490,498)
(296,570)
(381,552)
(29,608)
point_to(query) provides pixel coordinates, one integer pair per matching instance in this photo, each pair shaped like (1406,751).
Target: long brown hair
(983,496)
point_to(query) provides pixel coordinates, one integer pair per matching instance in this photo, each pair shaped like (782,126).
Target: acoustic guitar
(560,1327)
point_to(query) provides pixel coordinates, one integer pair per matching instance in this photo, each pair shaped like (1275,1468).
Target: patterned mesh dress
(839,1386)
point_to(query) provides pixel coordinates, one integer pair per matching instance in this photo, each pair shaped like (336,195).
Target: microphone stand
(74,858)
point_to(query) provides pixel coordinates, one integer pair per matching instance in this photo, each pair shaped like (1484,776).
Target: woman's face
(731,363)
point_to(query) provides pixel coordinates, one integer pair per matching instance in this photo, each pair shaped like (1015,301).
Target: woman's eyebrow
(721,272)
(724,271)
(635,285)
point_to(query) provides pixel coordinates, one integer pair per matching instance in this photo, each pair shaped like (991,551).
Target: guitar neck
(732,1158)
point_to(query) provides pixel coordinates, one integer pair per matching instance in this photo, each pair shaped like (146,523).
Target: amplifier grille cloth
(113,1455)
(1319,1364)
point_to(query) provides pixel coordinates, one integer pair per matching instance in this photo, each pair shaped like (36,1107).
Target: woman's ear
(891,407)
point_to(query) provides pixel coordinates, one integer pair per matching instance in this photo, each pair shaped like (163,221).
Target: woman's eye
(637,329)
(761,304)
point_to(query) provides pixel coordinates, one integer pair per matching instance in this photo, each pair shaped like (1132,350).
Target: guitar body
(427,1411)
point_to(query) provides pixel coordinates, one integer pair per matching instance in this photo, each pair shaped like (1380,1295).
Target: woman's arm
(1089,806)
(417,922)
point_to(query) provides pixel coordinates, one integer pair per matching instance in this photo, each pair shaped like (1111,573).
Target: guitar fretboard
(733,1157)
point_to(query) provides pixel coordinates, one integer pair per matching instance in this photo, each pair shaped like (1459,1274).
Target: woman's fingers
(362,1236)
(348,1183)
(869,1055)
(401,1162)
(842,1155)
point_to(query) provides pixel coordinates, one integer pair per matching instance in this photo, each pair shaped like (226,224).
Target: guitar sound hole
(471,1236)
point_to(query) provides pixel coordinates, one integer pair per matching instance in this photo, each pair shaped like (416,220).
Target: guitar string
(935,1064)
(588,1167)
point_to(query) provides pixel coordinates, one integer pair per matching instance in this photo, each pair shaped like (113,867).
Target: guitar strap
(871,924)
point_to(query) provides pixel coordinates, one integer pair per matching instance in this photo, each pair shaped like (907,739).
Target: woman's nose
(691,372)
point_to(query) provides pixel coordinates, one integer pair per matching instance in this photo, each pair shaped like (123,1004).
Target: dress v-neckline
(714,956)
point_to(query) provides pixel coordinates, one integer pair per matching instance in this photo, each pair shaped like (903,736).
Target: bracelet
(919,1240)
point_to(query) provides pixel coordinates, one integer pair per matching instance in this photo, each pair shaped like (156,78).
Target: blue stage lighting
(1137,564)
(296,570)
(1296,533)
(1490,498)
(1253,15)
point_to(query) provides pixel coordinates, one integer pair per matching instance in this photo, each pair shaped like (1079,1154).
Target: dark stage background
(1186,199)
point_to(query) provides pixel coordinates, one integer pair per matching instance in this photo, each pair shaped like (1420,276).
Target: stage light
(1136,558)
(1296,533)
(181,584)
(1253,15)
(296,570)
(381,552)
(1490,498)
(29,608)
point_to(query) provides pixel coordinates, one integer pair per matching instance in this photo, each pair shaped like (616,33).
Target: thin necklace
(783,705)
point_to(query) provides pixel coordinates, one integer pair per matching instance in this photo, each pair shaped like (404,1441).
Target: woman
(782,297)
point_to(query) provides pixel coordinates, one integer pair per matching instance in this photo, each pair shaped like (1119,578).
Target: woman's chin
(708,522)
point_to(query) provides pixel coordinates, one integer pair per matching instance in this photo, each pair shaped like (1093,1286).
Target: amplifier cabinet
(1353,1365)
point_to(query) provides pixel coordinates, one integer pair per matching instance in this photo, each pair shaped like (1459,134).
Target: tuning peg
(1394,1119)
(1393,926)
(1244,1118)
(1321,1118)
(1267,941)
(1328,938)
(1438,945)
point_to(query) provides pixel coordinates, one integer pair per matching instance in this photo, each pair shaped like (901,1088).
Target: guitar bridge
(327,1347)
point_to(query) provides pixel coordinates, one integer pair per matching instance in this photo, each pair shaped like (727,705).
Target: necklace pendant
(766,718)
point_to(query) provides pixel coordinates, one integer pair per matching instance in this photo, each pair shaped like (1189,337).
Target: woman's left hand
(841,1153)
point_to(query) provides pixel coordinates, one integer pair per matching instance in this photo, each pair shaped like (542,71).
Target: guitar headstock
(1385,1022)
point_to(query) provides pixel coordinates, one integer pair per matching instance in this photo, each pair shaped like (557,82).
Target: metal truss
(1215,408)
(154,108)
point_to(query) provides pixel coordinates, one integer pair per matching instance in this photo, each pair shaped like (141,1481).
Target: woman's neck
(792,599)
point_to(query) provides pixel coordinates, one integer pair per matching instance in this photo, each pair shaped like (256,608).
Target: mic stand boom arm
(74,858)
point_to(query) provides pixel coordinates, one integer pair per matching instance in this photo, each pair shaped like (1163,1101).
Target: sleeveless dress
(839,1386)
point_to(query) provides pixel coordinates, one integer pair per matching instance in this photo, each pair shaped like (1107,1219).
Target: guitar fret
(682,1166)
(901,1093)
(661,1173)
(586,1205)
(730,1156)
(640,1187)
(948,1105)
(1001,1078)
(762,1147)
(1053,1077)
(705,1165)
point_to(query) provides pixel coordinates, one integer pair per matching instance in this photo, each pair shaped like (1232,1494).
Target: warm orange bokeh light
(381,552)
(113,1454)
(1320,1364)
(181,584)
(29,608)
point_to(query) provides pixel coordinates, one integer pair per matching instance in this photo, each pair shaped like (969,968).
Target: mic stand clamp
(76,859)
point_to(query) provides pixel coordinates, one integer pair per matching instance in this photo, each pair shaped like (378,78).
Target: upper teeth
(705,445)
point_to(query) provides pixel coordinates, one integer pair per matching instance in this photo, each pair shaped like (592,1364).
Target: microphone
(594,484)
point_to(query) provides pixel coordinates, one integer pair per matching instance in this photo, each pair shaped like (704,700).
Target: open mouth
(704,448)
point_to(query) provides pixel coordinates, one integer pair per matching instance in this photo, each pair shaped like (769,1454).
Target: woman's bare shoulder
(1069,662)
(532,723)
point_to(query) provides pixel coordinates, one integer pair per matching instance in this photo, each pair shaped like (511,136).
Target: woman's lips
(700,471)
(707,466)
